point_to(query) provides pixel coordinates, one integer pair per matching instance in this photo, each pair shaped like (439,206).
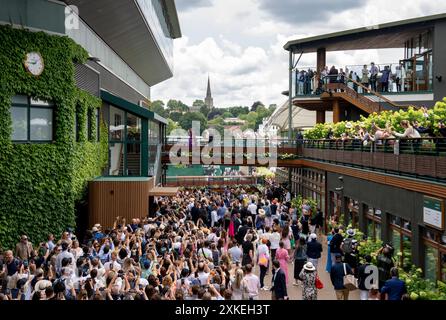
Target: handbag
(293,243)
(263,260)
(319,284)
(350,282)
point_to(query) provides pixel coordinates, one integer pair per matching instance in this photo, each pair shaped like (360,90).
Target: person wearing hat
(314,250)
(260,219)
(308,276)
(349,248)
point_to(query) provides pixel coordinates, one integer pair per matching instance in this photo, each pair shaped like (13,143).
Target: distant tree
(256,105)
(186,120)
(157,106)
(177,106)
(215,113)
(237,111)
(175,116)
(272,107)
(227,114)
(205,110)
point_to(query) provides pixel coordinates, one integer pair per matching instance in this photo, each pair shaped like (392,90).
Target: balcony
(422,158)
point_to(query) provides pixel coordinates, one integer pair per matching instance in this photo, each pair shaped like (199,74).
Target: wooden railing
(421,158)
(360,99)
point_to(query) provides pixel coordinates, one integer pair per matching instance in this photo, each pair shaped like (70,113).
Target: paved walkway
(295,292)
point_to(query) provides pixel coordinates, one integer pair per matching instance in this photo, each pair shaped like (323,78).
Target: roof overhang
(122,25)
(381,36)
(131,107)
(174,22)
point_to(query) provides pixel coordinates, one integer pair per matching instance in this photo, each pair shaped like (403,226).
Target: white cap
(313,236)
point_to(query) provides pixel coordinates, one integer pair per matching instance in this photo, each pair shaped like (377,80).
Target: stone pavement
(295,292)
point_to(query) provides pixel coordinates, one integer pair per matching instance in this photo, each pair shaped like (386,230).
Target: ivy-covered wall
(40,184)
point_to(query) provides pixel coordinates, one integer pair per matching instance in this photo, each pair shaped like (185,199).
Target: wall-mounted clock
(33,63)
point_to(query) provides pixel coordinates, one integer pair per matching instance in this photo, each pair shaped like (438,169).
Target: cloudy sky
(239,43)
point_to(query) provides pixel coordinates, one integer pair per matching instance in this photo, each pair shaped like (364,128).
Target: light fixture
(341,178)
(339,189)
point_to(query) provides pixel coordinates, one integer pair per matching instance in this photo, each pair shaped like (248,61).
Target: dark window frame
(28,106)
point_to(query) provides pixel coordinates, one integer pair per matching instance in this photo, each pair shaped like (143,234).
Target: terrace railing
(422,158)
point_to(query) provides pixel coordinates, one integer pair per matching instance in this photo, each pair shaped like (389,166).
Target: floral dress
(309,290)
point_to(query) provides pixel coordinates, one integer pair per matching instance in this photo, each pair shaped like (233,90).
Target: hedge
(40,184)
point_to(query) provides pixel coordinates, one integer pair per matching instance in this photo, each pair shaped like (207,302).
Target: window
(434,254)
(373,217)
(98,124)
(32,120)
(89,124)
(401,240)
(124,144)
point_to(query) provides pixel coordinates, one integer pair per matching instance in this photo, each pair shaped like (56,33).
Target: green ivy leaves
(41,183)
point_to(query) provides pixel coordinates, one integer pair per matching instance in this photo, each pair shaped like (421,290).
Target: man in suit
(394,288)
(279,290)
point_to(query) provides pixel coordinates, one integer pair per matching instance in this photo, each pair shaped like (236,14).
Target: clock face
(34,63)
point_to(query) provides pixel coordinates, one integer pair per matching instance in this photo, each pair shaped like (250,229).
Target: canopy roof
(302,119)
(381,36)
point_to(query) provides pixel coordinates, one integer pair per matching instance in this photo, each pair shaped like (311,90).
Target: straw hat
(262,213)
(309,267)
(351,232)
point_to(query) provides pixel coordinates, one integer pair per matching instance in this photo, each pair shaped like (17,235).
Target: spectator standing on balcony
(300,82)
(341,76)
(385,77)
(365,77)
(373,76)
(333,74)
(324,75)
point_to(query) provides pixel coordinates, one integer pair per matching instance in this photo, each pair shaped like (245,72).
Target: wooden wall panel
(109,199)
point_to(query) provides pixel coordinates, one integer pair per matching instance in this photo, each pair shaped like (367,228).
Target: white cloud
(240,44)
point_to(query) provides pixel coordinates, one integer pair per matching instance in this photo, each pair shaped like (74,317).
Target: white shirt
(203,277)
(235,253)
(252,208)
(263,249)
(252,285)
(214,217)
(275,240)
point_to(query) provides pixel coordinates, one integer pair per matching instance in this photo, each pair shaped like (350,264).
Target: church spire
(209,101)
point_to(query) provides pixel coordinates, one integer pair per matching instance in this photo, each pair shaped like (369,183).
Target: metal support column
(290,110)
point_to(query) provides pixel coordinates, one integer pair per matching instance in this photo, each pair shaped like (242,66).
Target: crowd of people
(370,78)
(198,245)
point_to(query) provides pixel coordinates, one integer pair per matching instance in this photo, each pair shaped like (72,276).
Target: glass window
(30,123)
(89,124)
(117,117)
(431,262)
(116,153)
(133,127)
(98,124)
(407,252)
(396,242)
(19,123)
(19,99)
(133,159)
(443,266)
(41,124)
